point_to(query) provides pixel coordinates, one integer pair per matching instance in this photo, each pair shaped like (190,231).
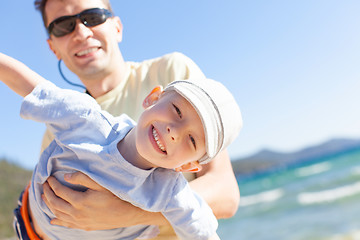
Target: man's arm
(97,208)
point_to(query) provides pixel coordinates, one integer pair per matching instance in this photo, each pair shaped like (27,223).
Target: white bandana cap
(217,109)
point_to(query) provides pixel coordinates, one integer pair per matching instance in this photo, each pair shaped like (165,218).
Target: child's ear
(153,96)
(194,166)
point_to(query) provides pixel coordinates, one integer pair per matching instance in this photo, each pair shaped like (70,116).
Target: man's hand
(95,209)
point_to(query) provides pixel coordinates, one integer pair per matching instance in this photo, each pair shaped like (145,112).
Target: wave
(354,234)
(329,195)
(314,169)
(355,170)
(267,196)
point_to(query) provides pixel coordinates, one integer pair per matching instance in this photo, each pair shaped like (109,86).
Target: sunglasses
(66,24)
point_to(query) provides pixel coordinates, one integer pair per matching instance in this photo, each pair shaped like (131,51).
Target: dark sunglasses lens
(93,18)
(63,26)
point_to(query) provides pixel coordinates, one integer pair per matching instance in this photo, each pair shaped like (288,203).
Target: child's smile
(157,139)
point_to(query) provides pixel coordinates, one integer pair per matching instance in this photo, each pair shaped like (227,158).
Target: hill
(13,179)
(267,160)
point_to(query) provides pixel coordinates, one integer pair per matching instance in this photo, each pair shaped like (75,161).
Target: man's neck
(103,82)
(100,86)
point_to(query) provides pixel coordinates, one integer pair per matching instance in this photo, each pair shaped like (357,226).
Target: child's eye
(193,141)
(177,111)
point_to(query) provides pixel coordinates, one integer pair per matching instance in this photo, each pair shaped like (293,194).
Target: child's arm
(17,76)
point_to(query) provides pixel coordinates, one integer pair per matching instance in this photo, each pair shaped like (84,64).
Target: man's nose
(82,31)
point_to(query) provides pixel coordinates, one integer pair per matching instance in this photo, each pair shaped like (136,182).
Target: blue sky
(293,66)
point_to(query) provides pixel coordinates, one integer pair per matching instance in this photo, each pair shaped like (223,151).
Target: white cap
(217,109)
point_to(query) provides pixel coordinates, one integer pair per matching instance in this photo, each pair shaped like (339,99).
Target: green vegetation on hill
(13,179)
(267,160)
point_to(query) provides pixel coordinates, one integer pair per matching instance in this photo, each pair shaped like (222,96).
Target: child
(184,126)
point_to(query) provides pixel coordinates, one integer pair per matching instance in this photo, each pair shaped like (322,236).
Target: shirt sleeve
(189,214)
(68,114)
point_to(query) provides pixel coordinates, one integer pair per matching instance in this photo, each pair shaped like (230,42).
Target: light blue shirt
(86,140)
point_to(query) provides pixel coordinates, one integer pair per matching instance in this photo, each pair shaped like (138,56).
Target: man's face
(170,133)
(87,51)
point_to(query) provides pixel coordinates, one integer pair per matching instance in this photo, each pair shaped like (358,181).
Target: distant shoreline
(268,162)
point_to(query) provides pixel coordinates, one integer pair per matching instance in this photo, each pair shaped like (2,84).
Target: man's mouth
(157,140)
(86,51)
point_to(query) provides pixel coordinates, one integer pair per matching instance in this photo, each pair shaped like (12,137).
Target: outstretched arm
(17,76)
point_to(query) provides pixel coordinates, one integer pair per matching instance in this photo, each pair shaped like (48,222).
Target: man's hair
(40,5)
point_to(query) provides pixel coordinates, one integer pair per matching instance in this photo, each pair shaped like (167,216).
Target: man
(92,53)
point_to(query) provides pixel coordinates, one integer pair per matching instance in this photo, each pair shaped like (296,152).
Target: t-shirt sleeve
(189,214)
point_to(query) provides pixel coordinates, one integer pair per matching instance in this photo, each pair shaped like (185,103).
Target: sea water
(318,201)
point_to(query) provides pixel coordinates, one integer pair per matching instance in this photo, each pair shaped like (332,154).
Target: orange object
(25,215)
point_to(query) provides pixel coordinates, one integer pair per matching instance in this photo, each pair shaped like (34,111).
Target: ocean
(318,201)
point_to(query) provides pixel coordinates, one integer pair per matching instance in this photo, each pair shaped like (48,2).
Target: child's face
(170,132)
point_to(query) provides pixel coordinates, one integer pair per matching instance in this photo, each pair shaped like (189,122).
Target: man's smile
(86,51)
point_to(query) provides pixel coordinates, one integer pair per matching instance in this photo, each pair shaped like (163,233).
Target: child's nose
(173,133)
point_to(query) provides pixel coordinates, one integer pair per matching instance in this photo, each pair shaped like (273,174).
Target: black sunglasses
(90,18)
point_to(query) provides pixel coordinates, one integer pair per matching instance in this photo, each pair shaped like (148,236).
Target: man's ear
(119,28)
(194,166)
(153,96)
(49,41)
